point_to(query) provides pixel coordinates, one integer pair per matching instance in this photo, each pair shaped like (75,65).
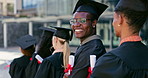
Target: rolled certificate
(92,61)
(39,58)
(71,60)
(71,63)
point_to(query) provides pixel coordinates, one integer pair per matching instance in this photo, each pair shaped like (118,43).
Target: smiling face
(83,30)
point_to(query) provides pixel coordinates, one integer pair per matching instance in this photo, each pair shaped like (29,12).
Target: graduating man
(83,23)
(129,60)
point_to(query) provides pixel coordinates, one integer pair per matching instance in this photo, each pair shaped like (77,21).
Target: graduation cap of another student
(137,5)
(26,41)
(63,33)
(90,6)
(47,31)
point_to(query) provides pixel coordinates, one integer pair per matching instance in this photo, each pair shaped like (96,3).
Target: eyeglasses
(78,20)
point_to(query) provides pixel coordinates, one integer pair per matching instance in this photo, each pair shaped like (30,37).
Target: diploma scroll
(39,58)
(92,61)
(71,63)
(71,60)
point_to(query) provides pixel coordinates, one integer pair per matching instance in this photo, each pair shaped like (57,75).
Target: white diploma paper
(71,62)
(39,58)
(92,61)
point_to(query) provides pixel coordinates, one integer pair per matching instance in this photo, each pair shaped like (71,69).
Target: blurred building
(50,13)
(43,7)
(18,8)
(64,7)
(46,13)
(55,7)
(6,7)
(26,8)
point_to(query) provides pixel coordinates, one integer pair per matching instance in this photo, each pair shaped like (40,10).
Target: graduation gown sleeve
(51,67)
(32,68)
(107,66)
(44,70)
(127,61)
(17,67)
(16,71)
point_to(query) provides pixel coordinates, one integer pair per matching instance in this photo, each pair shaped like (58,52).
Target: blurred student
(43,50)
(54,65)
(27,47)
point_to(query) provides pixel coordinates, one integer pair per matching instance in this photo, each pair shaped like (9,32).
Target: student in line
(54,65)
(129,60)
(43,50)
(27,47)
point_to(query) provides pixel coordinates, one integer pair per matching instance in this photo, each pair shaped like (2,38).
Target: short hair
(28,51)
(135,19)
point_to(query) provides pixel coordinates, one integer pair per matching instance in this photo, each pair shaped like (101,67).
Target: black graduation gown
(129,60)
(51,67)
(32,67)
(18,66)
(82,57)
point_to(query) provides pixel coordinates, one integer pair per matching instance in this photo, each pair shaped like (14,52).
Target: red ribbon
(89,72)
(39,62)
(69,67)
(30,59)
(6,66)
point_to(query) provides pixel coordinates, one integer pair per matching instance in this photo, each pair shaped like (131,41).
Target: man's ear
(56,39)
(120,19)
(94,22)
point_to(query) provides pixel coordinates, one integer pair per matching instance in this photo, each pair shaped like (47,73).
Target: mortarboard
(90,6)
(137,5)
(63,33)
(26,41)
(47,31)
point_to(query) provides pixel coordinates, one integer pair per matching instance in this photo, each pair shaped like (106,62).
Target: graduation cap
(47,31)
(90,6)
(63,33)
(137,5)
(26,41)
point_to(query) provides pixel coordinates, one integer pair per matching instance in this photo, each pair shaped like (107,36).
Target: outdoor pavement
(6,56)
